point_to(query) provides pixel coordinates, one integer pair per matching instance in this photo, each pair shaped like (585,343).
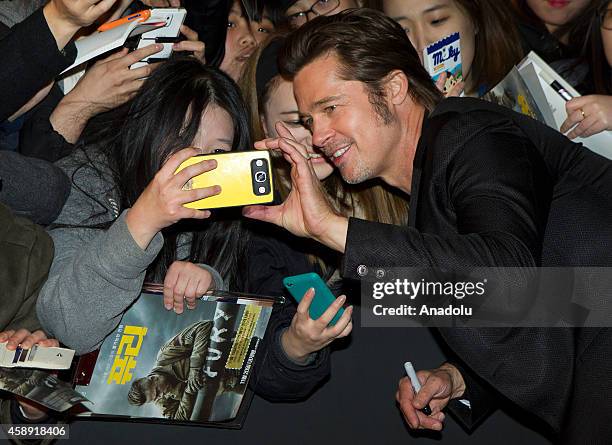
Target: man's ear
(262,121)
(397,86)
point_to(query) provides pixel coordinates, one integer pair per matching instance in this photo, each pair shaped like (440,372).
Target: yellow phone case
(245,178)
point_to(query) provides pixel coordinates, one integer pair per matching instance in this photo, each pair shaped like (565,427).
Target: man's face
(343,122)
(156,386)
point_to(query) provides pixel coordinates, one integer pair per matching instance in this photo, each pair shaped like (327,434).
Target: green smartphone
(298,285)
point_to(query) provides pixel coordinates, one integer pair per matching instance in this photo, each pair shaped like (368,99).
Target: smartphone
(298,285)
(245,178)
(167,35)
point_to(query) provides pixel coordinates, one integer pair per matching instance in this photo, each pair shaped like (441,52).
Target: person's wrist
(61,27)
(292,348)
(332,232)
(457,381)
(142,228)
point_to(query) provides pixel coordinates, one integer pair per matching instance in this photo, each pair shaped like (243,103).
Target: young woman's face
(555,13)
(281,107)
(427,21)
(216,131)
(242,39)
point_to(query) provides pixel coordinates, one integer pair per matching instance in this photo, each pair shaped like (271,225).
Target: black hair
(161,119)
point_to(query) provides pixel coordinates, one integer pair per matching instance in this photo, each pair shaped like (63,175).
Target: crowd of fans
(90,207)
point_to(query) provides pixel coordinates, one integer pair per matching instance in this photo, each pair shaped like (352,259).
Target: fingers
(577,103)
(457,90)
(343,326)
(267,144)
(4,336)
(114,56)
(139,73)
(189,33)
(203,166)
(283,131)
(183,284)
(186,45)
(583,129)
(191,293)
(141,53)
(304,305)
(177,159)
(269,214)
(441,81)
(331,311)
(200,193)
(169,282)
(405,396)
(25,339)
(414,417)
(573,117)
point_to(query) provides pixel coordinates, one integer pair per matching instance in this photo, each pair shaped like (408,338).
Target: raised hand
(307,211)
(161,204)
(306,335)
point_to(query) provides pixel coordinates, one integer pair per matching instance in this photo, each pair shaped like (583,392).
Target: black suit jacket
(493,188)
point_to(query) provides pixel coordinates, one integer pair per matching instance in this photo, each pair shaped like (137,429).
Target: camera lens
(261,176)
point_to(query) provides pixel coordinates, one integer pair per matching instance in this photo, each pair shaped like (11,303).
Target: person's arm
(275,376)
(33,188)
(38,138)
(95,276)
(37,49)
(499,193)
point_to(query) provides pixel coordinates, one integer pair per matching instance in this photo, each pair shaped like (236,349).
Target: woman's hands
(26,339)
(161,204)
(588,115)
(184,283)
(306,335)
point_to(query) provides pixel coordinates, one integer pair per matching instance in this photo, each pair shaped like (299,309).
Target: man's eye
(330,108)
(219,150)
(231,25)
(307,122)
(263,30)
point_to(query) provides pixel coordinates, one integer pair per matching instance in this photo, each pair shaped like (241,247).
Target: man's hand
(26,339)
(192,44)
(195,380)
(106,85)
(307,211)
(438,387)
(66,17)
(306,335)
(592,114)
(184,282)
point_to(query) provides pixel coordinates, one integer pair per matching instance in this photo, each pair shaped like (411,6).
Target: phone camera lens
(261,176)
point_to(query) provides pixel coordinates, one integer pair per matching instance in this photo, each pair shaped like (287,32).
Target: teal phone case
(298,285)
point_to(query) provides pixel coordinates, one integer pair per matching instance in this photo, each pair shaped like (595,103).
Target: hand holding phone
(245,178)
(315,325)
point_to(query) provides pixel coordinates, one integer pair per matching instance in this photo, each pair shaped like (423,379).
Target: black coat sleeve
(500,215)
(38,138)
(30,59)
(32,188)
(275,377)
